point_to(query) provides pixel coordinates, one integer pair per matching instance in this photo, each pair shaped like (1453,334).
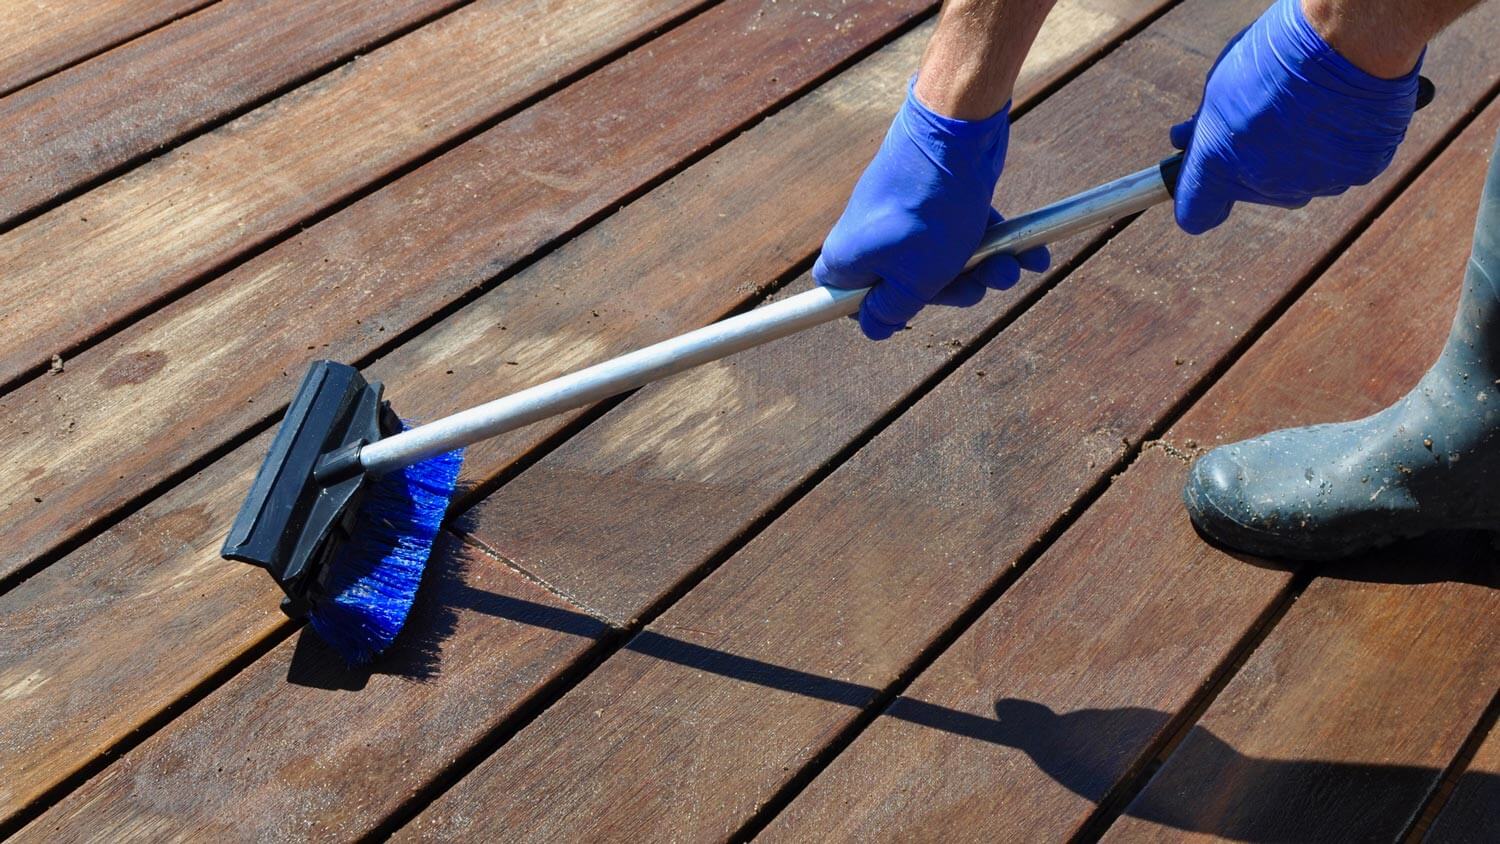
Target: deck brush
(348,503)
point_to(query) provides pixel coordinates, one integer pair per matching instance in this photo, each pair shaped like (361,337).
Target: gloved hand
(1284,119)
(917,215)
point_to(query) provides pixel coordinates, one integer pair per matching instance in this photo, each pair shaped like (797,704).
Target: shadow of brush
(1087,751)
(416,654)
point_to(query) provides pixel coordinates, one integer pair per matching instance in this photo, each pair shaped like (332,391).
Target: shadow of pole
(1085,751)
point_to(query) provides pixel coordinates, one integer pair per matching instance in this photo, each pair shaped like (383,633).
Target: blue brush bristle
(372,579)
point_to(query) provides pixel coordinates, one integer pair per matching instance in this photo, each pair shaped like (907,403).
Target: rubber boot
(1431,461)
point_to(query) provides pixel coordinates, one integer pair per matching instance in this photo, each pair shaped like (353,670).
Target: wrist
(1298,46)
(1385,47)
(958,86)
(984,140)
(970,66)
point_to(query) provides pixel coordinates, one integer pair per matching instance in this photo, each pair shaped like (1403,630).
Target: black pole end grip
(1426,92)
(1171,167)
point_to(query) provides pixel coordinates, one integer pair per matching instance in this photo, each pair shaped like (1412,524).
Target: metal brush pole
(1084,211)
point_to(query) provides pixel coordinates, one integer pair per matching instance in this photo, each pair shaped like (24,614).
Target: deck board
(103,585)
(69,129)
(1472,811)
(42,37)
(1345,718)
(1112,633)
(1050,703)
(865,571)
(300,782)
(123,249)
(675,476)
(170,389)
(224,609)
(688,617)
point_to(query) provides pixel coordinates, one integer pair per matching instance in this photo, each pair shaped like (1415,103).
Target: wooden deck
(939,588)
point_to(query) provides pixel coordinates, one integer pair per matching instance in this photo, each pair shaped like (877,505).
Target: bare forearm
(1382,37)
(972,61)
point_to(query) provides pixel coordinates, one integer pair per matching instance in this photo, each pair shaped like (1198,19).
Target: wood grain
(42,37)
(132,410)
(340,749)
(798,631)
(242,709)
(67,130)
(135,241)
(713,451)
(1038,712)
(1343,720)
(123,248)
(1082,666)
(1472,812)
(94,646)
(164,613)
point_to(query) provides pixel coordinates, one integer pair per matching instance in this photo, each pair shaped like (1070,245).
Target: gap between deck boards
(1110,807)
(64,59)
(1360,225)
(1095,54)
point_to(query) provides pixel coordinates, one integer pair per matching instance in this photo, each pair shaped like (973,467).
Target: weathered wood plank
(94,646)
(133,242)
(1035,715)
(391,734)
(42,37)
(1083,665)
(715,450)
(866,570)
(501,288)
(1343,720)
(67,130)
(132,410)
(158,601)
(136,241)
(1472,813)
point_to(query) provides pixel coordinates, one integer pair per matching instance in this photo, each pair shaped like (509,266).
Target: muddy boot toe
(1429,462)
(1261,497)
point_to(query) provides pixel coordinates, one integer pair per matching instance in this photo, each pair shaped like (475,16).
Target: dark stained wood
(1343,720)
(1085,662)
(125,246)
(41,37)
(355,745)
(164,612)
(96,644)
(1472,812)
(714,450)
(289,758)
(130,411)
(794,634)
(1041,708)
(66,130)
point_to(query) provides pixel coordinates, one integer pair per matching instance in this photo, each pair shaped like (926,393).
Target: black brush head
(302,504)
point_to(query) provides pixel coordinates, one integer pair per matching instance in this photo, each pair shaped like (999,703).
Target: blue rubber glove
(1284,119)
(917,215)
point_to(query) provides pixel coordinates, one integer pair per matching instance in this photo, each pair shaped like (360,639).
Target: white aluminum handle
(1103,204)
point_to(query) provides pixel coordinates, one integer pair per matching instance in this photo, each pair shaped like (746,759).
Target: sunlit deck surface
(939,588)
